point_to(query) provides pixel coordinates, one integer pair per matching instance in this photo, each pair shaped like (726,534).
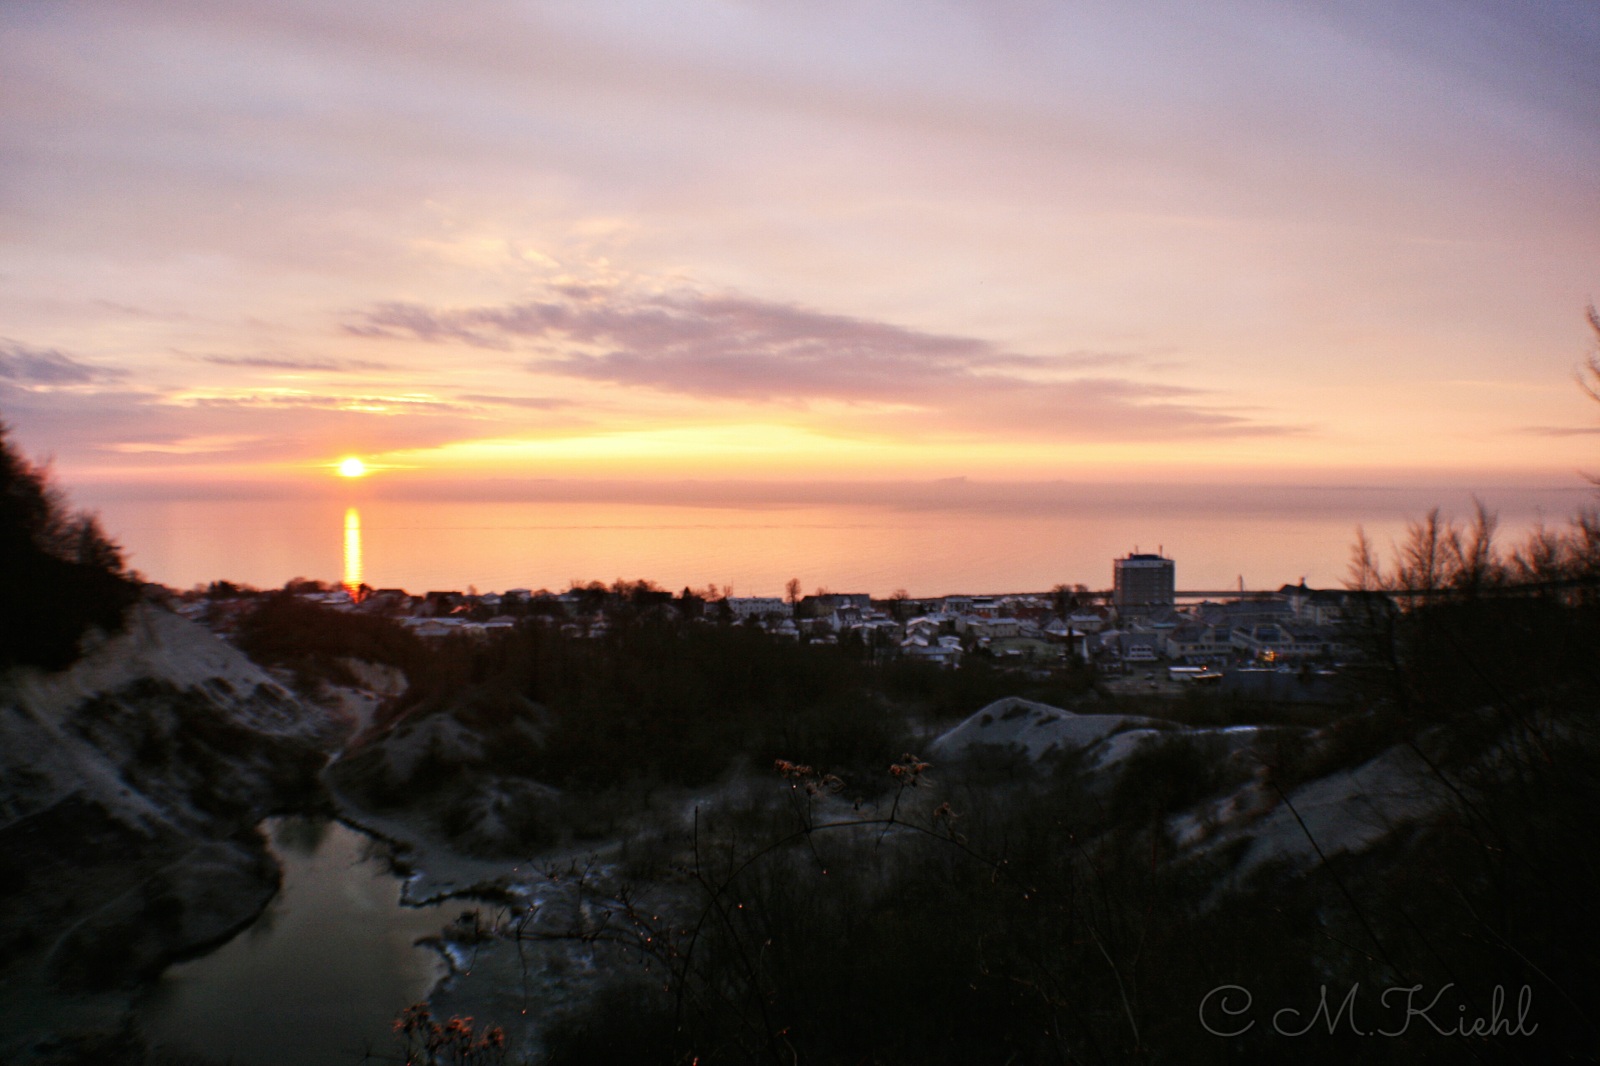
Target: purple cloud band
(738,348)
(271,362)
(25,365)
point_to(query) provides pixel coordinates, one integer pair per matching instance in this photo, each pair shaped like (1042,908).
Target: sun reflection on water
(352,553)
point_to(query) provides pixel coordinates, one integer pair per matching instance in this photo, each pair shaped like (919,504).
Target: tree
(1590,377)
(898,599)
(793,591)
(60,572)
(1068,598)
(34,513)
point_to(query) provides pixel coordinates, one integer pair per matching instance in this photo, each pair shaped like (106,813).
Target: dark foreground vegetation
(61,574)
(1060,921)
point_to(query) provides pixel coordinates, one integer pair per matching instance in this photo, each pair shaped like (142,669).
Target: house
(879,631)
(825,603)
(1139,647)
(388,601)
(758,606)
(843,618)
(1272,642)
(944,652)
(1074,641)
(1320,607)
(433,628)
(1257,610)
(984,607)
(1028,608)
(1089,619)
(991,628)
(1198,645)
(440,602)
(929,627)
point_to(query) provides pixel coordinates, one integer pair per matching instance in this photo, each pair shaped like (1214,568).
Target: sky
(827,242)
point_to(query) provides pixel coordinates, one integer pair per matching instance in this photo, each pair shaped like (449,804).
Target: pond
(319,978)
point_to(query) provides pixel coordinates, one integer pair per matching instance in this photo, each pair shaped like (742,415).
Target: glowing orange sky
(904,241)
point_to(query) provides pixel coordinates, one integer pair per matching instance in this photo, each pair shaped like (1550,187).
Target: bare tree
(1589,377)
(1364,572)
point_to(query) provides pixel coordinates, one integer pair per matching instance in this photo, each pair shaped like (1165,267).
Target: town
(1143,633)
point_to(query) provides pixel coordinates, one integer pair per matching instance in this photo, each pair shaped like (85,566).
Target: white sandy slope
(158,644)
(1346,811)
(43,759)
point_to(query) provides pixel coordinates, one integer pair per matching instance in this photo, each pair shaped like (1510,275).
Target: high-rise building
(1143,582)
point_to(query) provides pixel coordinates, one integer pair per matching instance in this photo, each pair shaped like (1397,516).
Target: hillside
(130,787)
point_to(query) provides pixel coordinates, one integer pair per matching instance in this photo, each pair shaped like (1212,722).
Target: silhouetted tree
(1591,377)
(60,572)
(1068,598)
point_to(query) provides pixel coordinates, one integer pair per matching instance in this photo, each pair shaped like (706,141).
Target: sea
(932,540)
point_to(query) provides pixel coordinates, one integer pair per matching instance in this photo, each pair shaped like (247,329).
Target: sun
(352,467)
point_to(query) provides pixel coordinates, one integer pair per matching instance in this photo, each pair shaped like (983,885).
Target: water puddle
(319,978)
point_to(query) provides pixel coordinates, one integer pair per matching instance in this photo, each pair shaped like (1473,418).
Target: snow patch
(1037,729)
(159,644)
(1347,811)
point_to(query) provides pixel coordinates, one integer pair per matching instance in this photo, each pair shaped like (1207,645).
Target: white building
(758,606)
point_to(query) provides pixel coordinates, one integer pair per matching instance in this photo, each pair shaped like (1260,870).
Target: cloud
(132,311)
(736,348)
(302,401)
(727,346)
(100,426)
(537,403)
(84,414)
(1561,431)
(1405,495)
(27,365)
(266,362)
(403,319)
(219,444)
